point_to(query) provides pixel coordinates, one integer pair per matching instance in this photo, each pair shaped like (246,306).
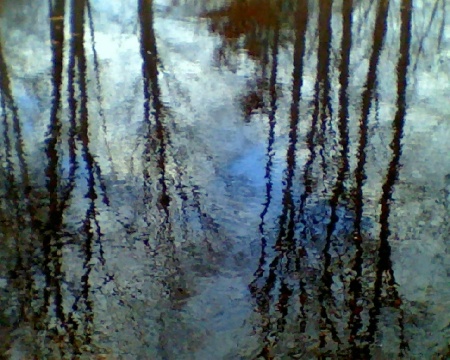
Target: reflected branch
(426,32)
(379,35)
(6,93)
(51,243)
(442,26)
(285,243)
(156,154)
(25,212)
(268,167)
(99,89)
(322,104)
(384,264)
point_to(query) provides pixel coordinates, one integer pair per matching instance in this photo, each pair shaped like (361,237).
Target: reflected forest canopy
(183,176)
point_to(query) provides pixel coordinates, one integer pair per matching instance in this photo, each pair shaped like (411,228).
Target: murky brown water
(224,179)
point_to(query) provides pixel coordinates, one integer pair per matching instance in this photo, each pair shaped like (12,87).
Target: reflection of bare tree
(384,265)
(425,34)
(77,323)
(61,251)
(356,285)
(55,272)
(282,290)
(286,244)
(261,294)
(51,243)
(322,282)
(99,89)
(158,188)
(17,211)
(155,159)
(83,305)
(45,297)
(442,26)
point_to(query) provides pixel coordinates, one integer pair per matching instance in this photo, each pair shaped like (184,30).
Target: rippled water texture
(241,179)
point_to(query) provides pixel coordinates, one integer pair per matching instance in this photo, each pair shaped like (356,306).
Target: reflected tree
(156,182)
(338,279)
(49,300)
(324,277)
(18,212)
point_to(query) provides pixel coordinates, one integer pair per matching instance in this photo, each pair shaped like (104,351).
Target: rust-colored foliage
(246,18)
(243,17)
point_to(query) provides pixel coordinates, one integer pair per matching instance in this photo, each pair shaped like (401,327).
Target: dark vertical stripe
(355,284)
(301,25)
(346,45)
(323,67)
(99,89)
(323,89)
(152,95)
(384,264)
(367,97)
(73,128)
(442,26)
(158,153)
(91,228)
(379,35)
(322,110)
(51,239)
(262,296)
(269,156)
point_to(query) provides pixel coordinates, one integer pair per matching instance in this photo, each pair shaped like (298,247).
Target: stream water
(258,179)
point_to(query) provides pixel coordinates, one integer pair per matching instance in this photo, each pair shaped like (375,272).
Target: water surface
(224,179)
